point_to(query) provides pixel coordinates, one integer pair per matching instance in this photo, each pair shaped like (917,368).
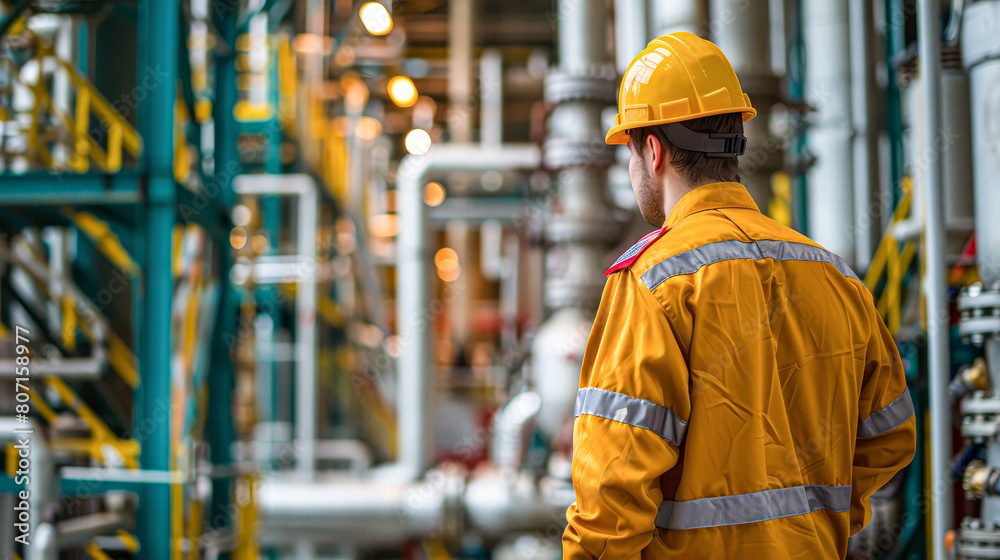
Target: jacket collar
(710,197)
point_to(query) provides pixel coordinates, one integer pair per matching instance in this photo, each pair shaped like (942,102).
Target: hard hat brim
(618,134)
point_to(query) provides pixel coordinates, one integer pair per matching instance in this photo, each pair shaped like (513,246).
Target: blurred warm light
(376,18)
(383,225)
(392,345)
(402,91)
(344,56)
(434,194)
(241,215)
(355,92)
(309,43)
(369,128)
(418,142)
(450,275)
(238,237)
(259,244)
(446,259)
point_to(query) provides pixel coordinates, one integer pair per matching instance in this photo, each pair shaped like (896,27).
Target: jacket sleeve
(886,424)
(631,413)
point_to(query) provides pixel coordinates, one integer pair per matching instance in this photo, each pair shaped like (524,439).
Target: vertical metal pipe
(461,26)
(414,308)
(583,224)
(306,386)
(957,150)
(461,19)
(935,286)
(864,99)
(491,90)
(227,166)
(981,56)
(159,20)
(631,31)
(749,51)
(413,295)
(682,15)
(827,88)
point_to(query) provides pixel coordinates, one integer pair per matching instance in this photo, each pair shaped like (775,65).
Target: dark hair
(695,167)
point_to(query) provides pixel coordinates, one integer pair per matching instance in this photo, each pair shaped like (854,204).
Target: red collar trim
(630,256)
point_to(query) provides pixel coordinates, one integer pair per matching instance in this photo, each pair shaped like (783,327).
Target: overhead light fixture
(402,91)
(376,18)
(418,142)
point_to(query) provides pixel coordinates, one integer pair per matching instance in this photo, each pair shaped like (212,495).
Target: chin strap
(712,144)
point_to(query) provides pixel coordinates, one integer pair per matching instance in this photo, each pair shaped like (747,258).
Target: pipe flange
(980,41)
(980,404)
(561,87)
(980,313)
(979,429)
(564,152)
(980,417)
(976,542)
(977,297)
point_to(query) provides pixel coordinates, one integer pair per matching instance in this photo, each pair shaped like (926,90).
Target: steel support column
(227,165)
(158,21)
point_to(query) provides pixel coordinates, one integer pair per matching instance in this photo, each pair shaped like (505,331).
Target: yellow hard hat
(677,77)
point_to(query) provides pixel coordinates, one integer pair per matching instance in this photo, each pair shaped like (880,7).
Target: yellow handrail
(85,151)
(892,262)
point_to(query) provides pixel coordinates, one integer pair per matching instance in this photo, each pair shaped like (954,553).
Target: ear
(656,153)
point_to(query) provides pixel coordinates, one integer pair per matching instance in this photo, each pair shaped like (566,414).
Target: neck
(674,188)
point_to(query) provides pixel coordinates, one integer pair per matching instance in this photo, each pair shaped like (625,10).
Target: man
(740,396)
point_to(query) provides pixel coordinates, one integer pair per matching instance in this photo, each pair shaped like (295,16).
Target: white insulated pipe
(414,308)
(739,28)
(582,39)
(681,15)
(981,56)
(864,99)
(304,187)
(935,285)
(828,90)
(351,511)
(736,27)
(631,31)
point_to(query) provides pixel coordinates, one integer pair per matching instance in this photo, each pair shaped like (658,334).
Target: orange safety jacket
(740,396)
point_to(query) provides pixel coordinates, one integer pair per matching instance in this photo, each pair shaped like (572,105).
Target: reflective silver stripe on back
(889,418)
(692,260)
(632,411)
(752,508)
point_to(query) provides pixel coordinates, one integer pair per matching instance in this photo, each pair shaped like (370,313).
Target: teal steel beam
(158,33)
(207,212)
(227,165)
(46,188)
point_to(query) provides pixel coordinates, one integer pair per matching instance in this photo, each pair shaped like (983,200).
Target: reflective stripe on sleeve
(632,411)
(753,507)
(692,260)
(889,418)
